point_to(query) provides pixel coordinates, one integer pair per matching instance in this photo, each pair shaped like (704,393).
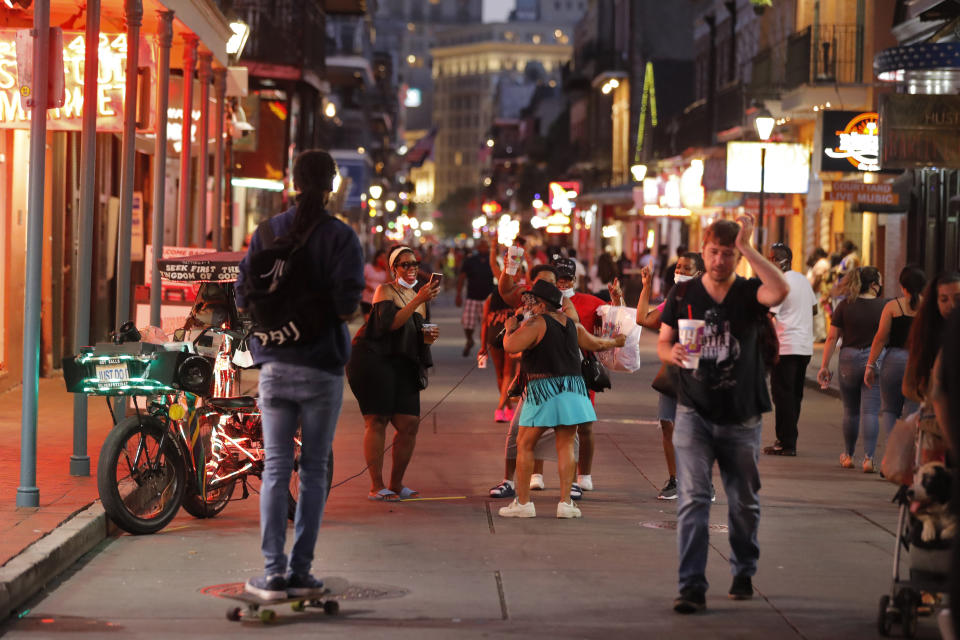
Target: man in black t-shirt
(720,403)
(478,275)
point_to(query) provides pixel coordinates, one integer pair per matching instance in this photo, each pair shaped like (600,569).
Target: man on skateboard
(301,385)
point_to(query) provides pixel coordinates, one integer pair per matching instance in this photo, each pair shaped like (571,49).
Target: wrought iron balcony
(818,54)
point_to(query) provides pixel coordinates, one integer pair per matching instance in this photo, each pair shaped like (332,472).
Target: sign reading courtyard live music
(920,131)
(862,193)
(111,82)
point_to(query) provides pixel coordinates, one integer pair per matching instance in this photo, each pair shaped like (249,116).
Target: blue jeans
(291,396)
(861,404)
(735,448)
(893,405)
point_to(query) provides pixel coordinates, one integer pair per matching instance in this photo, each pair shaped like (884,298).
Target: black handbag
(595,375)
(518,385)
(664,381)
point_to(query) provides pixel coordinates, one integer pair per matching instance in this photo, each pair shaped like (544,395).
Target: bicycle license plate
(112,373)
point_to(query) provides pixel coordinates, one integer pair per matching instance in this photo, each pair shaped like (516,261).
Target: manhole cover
(672,524)
(353,592)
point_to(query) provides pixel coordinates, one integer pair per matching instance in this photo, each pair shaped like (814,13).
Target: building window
(458,158)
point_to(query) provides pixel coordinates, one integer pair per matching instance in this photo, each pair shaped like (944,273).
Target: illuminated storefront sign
(881,193)
(563,195)
(850,139)
(787,167)
(111,82)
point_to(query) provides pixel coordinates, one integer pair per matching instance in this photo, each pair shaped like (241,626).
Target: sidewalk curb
(27,573)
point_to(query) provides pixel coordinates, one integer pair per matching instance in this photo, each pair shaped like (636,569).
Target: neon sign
(858,142)
(111,82)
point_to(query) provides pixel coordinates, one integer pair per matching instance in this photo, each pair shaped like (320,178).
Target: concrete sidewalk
(448,566)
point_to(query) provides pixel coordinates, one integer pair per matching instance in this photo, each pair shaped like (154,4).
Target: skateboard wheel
(267,615)
(298,605)
(233,614)
(331,607)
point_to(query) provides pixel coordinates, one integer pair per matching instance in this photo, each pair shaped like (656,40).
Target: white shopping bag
(620,320)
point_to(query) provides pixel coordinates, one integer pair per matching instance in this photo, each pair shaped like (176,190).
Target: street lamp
(376,191)
(639,172)
(764,123)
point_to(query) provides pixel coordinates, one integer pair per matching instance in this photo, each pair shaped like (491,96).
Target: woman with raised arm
(387,370)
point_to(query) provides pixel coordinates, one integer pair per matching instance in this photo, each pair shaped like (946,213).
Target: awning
(201,18)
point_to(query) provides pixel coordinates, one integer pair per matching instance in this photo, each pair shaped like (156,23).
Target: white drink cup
(691,337)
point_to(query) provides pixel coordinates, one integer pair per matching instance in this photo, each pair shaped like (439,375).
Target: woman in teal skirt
(556,396)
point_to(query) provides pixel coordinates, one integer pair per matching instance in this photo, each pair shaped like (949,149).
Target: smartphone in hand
(435,279)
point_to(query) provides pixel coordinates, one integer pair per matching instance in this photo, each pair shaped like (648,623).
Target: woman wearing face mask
(387,370)
(689,265)
(856,320)
(586,306)
(940,298)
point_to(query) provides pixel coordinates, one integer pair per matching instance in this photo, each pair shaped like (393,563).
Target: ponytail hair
(913,280)
(859,280)
(313,174)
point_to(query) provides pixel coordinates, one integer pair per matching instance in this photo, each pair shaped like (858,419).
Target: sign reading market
(111,82)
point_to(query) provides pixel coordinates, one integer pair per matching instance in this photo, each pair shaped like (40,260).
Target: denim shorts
(667,408)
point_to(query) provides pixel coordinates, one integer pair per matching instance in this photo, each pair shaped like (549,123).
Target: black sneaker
(777,449)
(669,491)
(742,588)
(690,601)
(305,586)
(272,587)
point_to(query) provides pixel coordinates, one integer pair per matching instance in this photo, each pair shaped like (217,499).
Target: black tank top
(557,354)
(899,330)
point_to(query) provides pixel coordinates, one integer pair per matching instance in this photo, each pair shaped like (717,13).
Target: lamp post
(764,123)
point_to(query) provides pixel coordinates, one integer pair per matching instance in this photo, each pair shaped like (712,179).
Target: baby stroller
(917,592)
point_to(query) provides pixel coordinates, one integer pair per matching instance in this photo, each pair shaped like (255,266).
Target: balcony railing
(824,54)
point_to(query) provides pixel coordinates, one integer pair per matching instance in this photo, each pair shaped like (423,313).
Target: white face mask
(681,278)
(407,285)
(568,293)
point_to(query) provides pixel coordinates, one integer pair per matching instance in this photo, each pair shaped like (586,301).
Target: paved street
(450,568)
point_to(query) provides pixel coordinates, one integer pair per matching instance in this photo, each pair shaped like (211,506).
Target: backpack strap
(265,231)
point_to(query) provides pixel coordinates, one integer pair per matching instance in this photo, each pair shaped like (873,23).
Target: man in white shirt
(794,321)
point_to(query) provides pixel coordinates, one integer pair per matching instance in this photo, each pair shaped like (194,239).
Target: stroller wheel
(884,617)
(909,621)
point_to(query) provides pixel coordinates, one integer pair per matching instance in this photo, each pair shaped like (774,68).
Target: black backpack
(287,307)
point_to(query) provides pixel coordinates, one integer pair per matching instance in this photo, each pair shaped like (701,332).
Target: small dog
(929,497)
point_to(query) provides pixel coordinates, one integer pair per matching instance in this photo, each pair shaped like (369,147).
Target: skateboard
(256,608)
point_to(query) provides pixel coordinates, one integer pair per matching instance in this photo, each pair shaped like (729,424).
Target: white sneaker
(536,482)
(568,510)
(517,510)
(585,482)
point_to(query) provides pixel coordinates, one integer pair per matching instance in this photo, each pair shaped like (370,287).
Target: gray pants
(546,447)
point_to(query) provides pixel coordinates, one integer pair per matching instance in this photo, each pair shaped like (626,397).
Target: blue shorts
(667,408)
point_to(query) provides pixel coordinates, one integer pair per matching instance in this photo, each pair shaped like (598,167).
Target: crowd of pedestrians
(731,349)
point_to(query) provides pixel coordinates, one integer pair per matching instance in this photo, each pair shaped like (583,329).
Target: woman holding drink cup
(387,370)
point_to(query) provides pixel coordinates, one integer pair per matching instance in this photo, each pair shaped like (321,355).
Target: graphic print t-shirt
(730,385)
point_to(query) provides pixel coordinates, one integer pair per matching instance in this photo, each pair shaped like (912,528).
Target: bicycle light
(195,374)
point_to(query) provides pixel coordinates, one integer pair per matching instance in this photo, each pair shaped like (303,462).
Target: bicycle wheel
(201,499)
(141,475)
(294,493)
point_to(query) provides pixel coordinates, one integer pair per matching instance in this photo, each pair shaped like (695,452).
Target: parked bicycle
(194,438)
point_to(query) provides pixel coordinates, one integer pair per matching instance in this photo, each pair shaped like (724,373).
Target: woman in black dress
(388,369)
